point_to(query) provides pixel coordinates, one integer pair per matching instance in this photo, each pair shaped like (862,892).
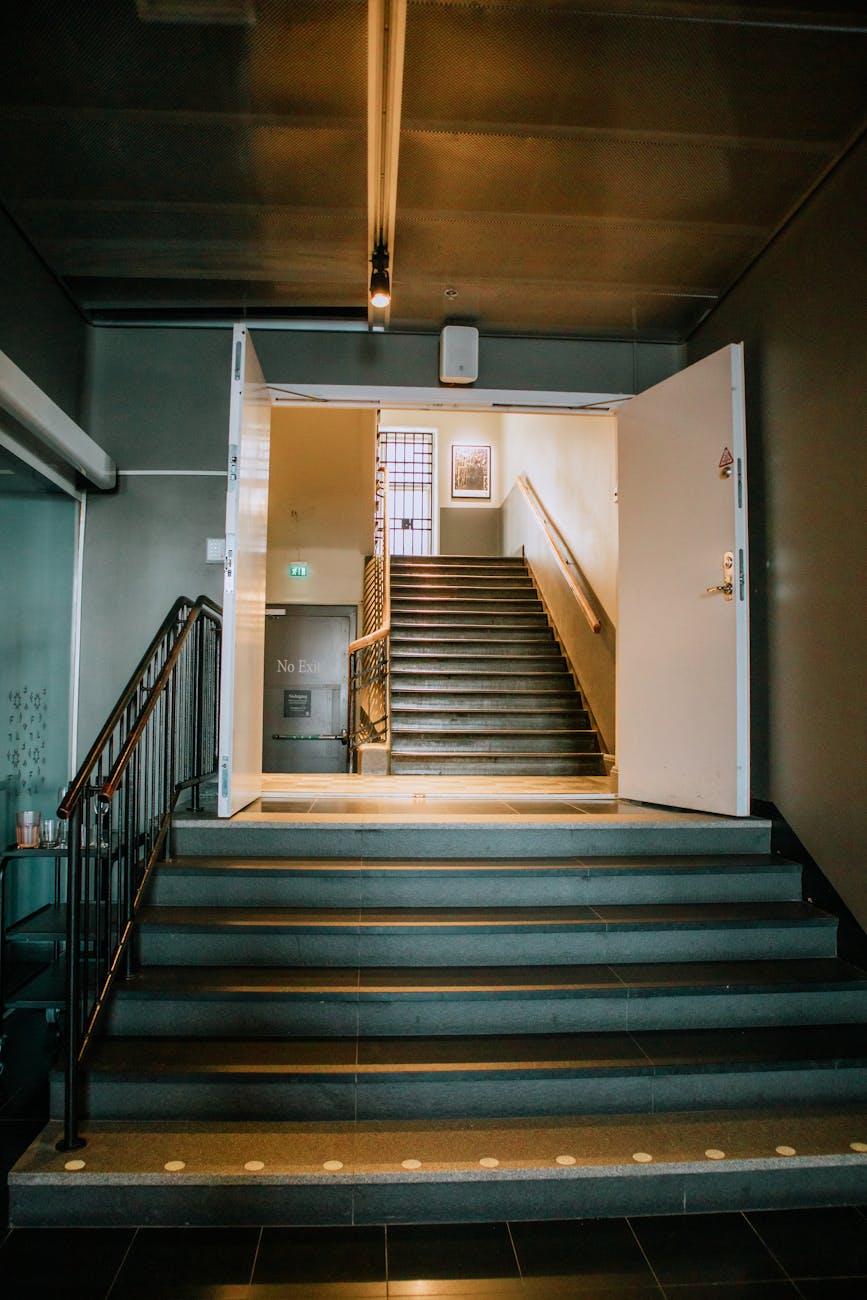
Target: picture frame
(471,471)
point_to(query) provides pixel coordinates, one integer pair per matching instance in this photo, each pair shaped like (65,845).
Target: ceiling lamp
(380,286)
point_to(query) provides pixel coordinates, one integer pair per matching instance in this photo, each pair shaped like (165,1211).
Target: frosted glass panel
(37,545)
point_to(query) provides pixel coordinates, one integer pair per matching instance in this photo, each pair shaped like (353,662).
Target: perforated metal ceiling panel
(602,166)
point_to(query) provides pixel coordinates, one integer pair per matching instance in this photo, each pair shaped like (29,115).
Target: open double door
(683,588)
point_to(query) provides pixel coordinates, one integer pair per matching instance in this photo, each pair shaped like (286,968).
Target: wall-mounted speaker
(459,354)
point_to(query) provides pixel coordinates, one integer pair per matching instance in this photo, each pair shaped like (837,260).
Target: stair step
(423,563)
(495,678)
(472,698)
(453,936)
(252,1002)
(419,638)
(408,616)
(473,1170)
(406,603)
(442,718)
(451,740)
(463,589)
(409,763)
(278,882)
(505,1074)
(545,1168)
(473,654)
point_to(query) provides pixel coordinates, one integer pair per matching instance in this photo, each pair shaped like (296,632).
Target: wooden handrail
(385,626)
(586,606)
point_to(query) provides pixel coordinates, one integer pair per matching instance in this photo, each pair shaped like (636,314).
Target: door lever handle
(726,587)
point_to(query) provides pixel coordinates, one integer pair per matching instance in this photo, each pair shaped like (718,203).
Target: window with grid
(408,456)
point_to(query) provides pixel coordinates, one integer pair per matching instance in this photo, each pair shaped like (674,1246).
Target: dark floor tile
(62,1262)
(568,1289)
(829,1288)
(176,1260)
(592,1253)
(704,1248)
(815,1243)
(323,1256)
(454,1252)
(733,1291)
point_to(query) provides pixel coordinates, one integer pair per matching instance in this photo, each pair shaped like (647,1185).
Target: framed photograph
(471,472)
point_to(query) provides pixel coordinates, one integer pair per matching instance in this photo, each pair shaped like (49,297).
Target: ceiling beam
(386,43)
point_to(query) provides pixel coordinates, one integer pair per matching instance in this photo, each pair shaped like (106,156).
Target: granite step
(419,762)
(446,1076)
(454,936)
(253,1002)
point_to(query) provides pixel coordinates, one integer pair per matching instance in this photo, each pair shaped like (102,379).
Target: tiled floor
(818,1254)
(807,1254)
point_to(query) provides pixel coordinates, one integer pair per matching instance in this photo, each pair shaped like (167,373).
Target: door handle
(726,587)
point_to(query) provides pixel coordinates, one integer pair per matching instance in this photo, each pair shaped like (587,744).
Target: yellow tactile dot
(489,1162)
(74,1165)
(642,1157)
(410,1164)
(785,1151)
(714,1153)
(254,1166)
(174,1166)
(566,1160)
(333,1165)
(858,1146)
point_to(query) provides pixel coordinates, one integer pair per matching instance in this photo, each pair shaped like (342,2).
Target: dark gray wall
(562,365)
(801,314)
(39,328)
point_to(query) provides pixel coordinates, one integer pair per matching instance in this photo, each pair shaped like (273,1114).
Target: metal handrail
(556,543)
(160,738)
(368,655)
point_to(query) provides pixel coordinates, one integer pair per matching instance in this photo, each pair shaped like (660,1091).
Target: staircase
(533,1018)
(478,682)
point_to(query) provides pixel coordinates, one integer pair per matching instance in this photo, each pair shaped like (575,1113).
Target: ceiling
(571,167)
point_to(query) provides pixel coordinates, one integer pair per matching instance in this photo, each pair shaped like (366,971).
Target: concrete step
(456,563)
(444,653)
(254,1002)
(451,763)
(493,678)
(485,602)
(503,617)
(427,720)
(446,1076)
(420,636)
(460,588)
(491,936)
(490,741)
(506,698)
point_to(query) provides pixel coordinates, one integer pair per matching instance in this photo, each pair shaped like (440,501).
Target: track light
(380,286)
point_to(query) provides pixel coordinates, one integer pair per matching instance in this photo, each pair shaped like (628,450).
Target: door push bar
(340,735)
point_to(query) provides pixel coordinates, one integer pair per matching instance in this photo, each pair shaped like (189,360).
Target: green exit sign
(299,570)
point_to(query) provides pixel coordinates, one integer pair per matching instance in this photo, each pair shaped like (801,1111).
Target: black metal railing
(367,720)
(161,738)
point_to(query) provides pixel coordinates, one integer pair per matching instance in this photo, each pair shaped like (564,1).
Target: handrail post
(72,1139)
(198,716)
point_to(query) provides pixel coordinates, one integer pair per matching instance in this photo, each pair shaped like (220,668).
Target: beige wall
(802,316)
(571,461)
(322,469)
(471,428)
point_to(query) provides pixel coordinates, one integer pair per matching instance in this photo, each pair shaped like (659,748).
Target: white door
(683,652)
(244,583)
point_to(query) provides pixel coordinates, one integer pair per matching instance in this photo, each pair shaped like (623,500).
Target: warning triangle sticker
(726,459)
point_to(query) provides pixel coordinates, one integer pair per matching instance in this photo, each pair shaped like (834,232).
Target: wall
(320,504)
(801,314)
(159,404)
(571,461)
(39,531)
